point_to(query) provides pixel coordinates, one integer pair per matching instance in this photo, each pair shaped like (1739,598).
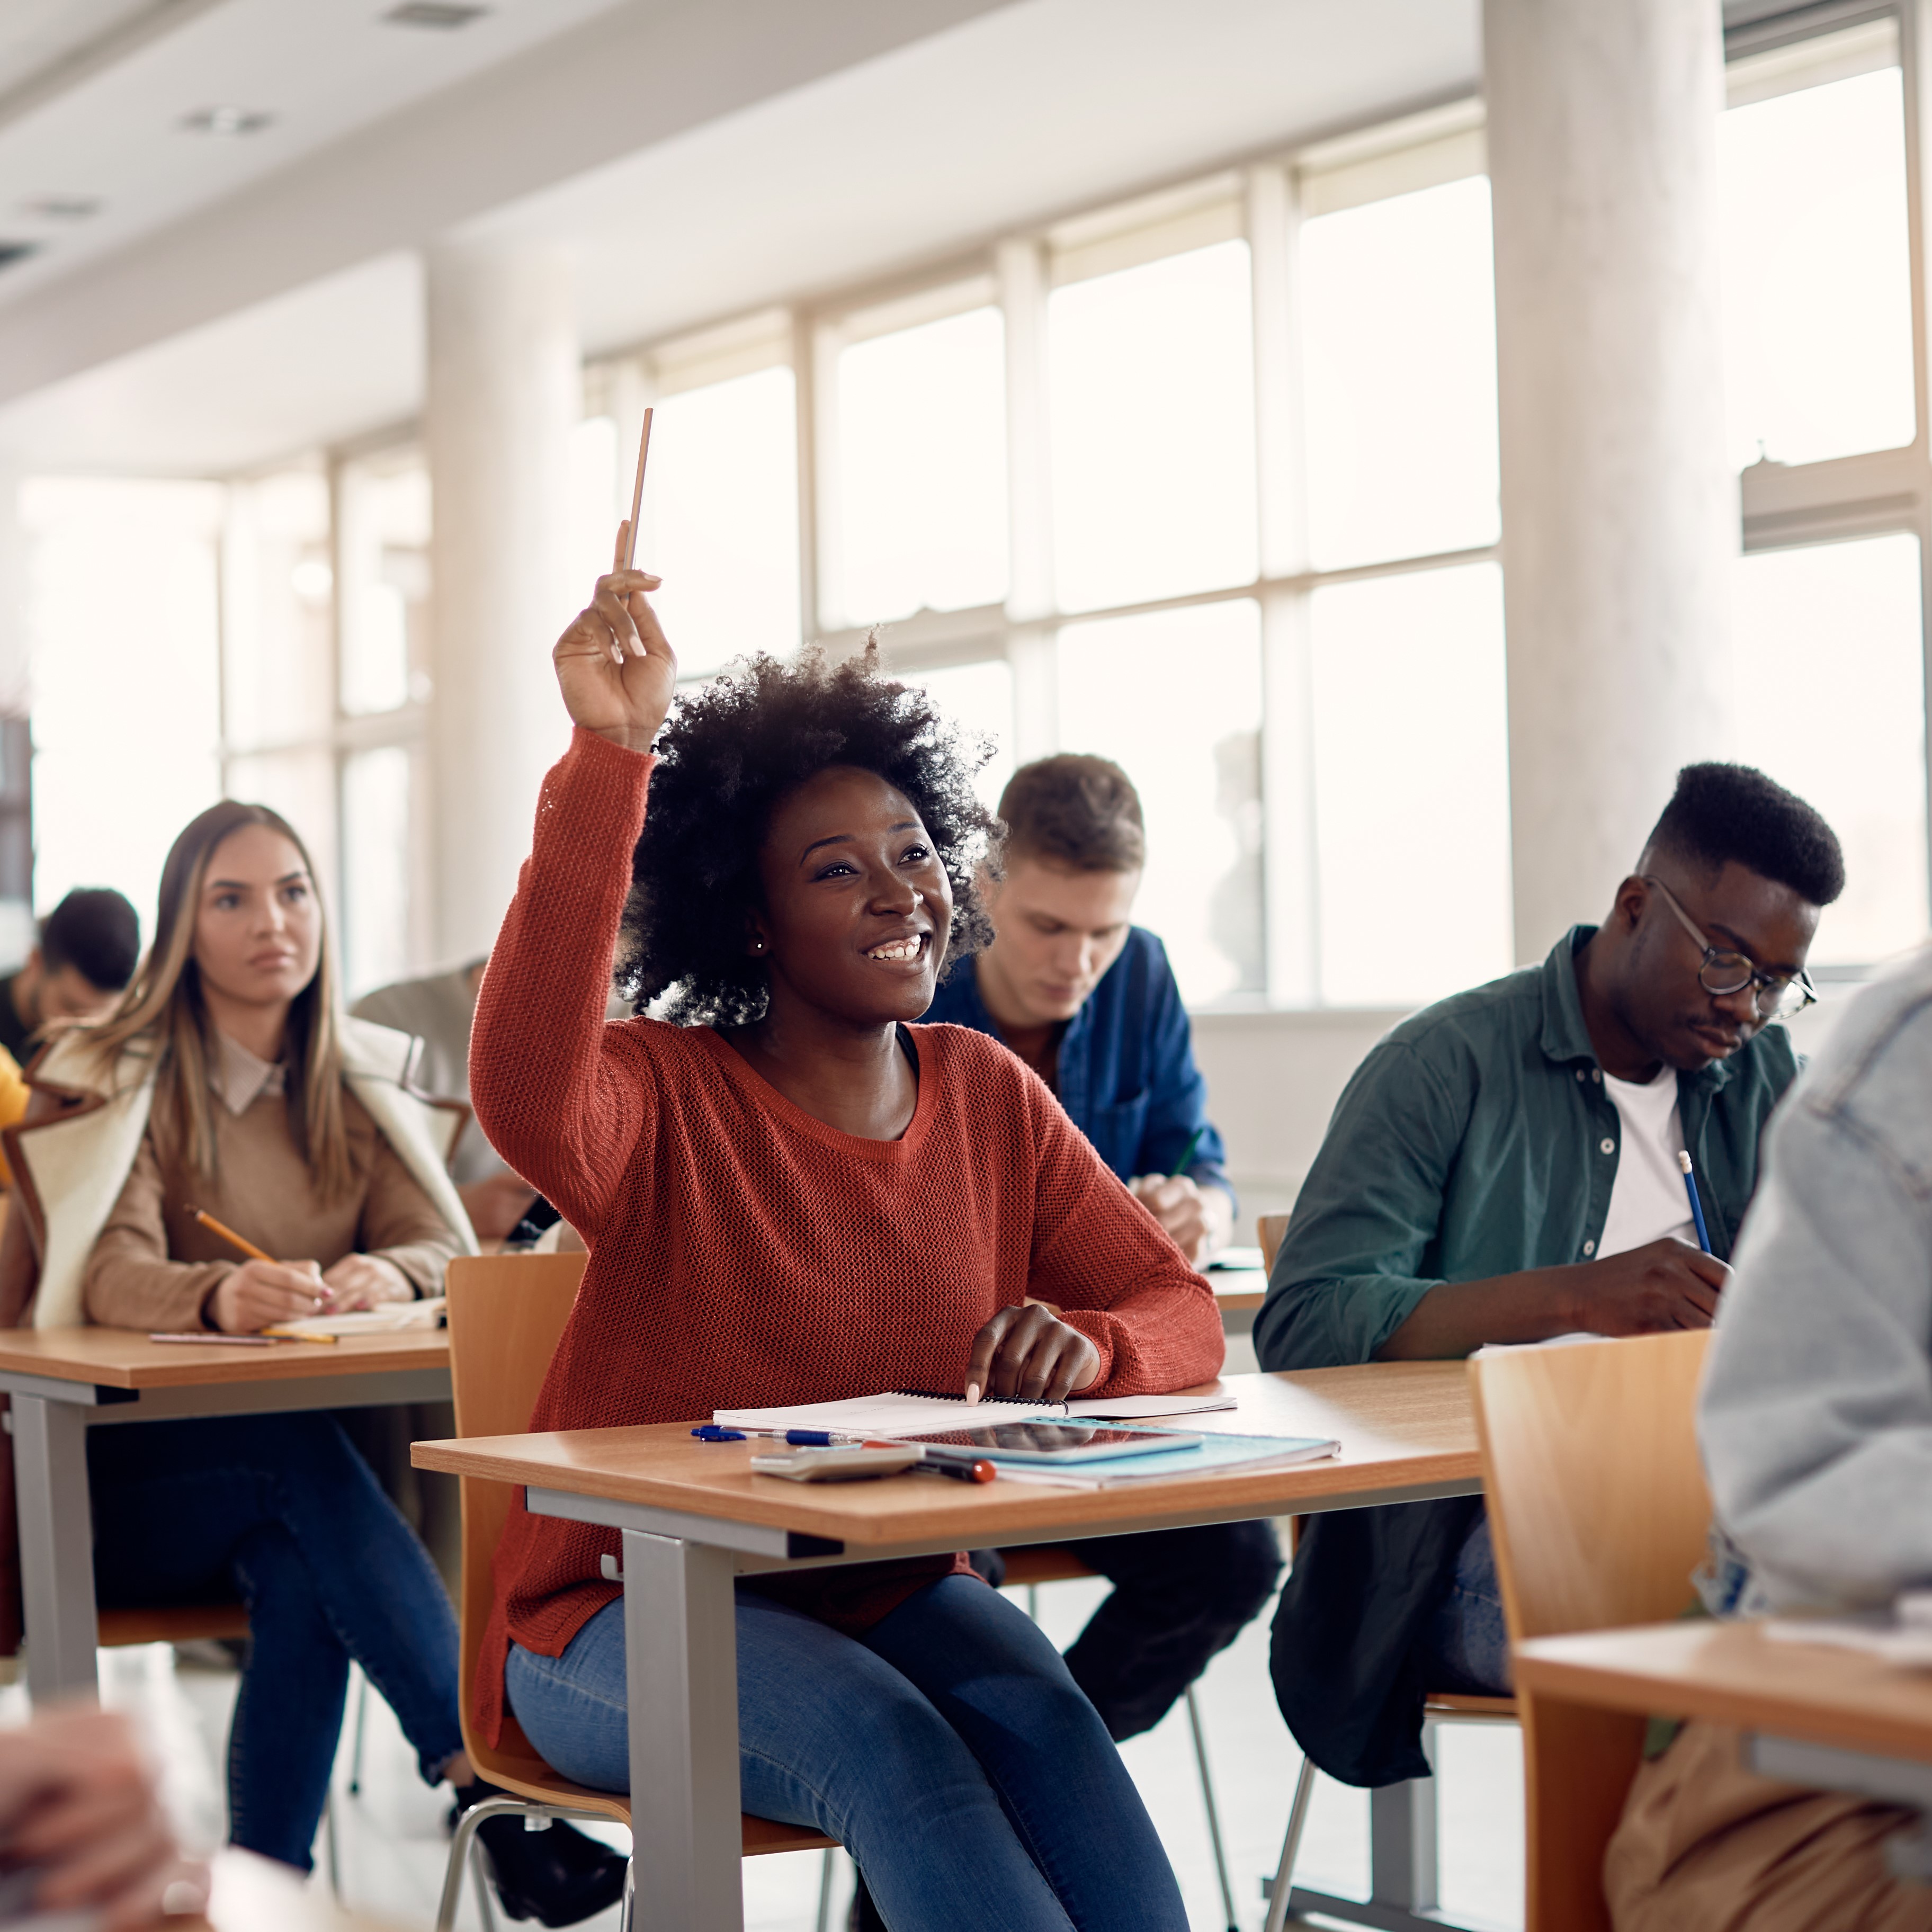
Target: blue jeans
(947,1749)
(1466,1644)
(281,1511)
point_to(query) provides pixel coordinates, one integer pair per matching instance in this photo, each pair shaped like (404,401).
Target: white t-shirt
(1648,1200)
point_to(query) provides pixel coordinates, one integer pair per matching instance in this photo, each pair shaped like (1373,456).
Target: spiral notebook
(901,1412)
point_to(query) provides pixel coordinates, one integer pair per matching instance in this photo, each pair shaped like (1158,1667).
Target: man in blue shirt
(1089,1002)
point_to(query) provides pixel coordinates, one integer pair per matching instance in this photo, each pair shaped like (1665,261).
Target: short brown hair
(1074,809)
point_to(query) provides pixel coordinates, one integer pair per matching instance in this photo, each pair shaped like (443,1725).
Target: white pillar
(1620,521)
(504,390)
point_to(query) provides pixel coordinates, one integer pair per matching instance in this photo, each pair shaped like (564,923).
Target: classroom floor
(391,1848)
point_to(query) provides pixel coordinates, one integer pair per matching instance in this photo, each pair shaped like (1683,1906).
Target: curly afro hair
(731,751)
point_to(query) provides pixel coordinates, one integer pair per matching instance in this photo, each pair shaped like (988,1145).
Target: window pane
(375,868)
(1152,417)
(1175,698)
(385,591)
(721,524)
(114,782)
(301,785)
(1817,289)
(1411,785)
(1829,686)
(979,697)
(278,609)
(1399,348)
(921,462)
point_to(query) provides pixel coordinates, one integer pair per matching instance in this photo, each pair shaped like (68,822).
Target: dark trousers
(1180,1596)
(280,1511)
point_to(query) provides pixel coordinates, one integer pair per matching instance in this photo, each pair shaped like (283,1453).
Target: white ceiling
(289,313)
(117,81)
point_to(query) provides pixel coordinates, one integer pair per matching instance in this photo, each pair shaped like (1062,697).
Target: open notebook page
(895,1413)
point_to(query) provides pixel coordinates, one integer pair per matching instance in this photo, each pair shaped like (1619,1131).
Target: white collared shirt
(239,1078)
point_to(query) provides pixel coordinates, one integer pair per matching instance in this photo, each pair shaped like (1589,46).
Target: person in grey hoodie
(1815,1422)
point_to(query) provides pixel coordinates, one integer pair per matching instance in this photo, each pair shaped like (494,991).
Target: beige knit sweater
(154,1267)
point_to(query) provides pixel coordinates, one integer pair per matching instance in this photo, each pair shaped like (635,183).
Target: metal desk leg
(681,1660)
(56,1545)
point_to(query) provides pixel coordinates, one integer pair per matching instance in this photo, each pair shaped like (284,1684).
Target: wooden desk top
(1732,1673)
(122,1358)
(1401,1425)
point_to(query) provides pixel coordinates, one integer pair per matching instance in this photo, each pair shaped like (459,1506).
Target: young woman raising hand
(791,1192)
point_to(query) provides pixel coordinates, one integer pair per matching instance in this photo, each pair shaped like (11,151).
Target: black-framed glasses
(1724,972)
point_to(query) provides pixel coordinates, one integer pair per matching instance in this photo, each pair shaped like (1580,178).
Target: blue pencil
(1696,1206)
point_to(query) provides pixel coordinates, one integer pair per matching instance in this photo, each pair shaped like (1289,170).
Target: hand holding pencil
(262,1291)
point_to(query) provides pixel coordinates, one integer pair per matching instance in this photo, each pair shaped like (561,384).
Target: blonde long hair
(162,1016)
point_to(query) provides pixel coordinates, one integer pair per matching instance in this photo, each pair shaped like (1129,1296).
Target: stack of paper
(894,1413)
(390,1319)
(1200,1456)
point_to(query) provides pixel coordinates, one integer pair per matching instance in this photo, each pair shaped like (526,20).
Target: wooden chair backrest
(1270,1230)
(506,1314)
(1599,1513)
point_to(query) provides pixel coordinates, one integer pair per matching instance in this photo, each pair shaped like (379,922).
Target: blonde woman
(228,1078)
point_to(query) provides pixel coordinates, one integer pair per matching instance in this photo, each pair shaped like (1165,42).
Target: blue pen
(709,1432)
(1696,1206)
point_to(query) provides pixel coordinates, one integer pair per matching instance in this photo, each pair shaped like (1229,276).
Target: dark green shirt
(1476,1140)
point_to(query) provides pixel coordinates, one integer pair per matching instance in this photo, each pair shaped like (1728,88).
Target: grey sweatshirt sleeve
(1816,1417)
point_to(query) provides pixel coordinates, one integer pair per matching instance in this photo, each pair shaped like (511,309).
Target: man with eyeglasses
(1504,1167)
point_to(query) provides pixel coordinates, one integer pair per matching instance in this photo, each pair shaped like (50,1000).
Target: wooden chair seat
(1454,1705)
(513,1762)
(1044,1563)
(173,1623)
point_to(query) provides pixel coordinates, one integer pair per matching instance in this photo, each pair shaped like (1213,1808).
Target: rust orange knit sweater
(743,1253)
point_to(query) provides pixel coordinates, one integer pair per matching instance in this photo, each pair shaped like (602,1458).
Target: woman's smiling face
(857,906)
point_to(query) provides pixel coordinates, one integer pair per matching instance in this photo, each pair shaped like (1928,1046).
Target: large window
(1206,484)
(1152,409)
(1827,431)
(126,715)
(1816,261)
(916,466)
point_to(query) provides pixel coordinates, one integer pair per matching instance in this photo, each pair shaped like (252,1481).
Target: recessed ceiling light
(446,15)
(63,207)
(227,121)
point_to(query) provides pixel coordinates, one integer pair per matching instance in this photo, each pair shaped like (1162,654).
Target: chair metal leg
(465,1835)
(1033,1601)
(329,1829)
(355,1745)
(1213,1809)
(485,1912)
(627,1913)
(824,1921)
(1290,1848)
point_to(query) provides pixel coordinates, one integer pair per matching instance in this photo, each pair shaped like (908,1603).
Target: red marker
(980,1471)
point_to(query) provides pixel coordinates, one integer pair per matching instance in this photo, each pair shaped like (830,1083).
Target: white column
(505,383)
(1031,647)
(1619,512)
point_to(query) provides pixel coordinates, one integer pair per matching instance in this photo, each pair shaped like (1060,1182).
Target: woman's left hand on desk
(1028,1353)
(366,1281)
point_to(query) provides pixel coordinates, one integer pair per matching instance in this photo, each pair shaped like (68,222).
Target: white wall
(1273,1080)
